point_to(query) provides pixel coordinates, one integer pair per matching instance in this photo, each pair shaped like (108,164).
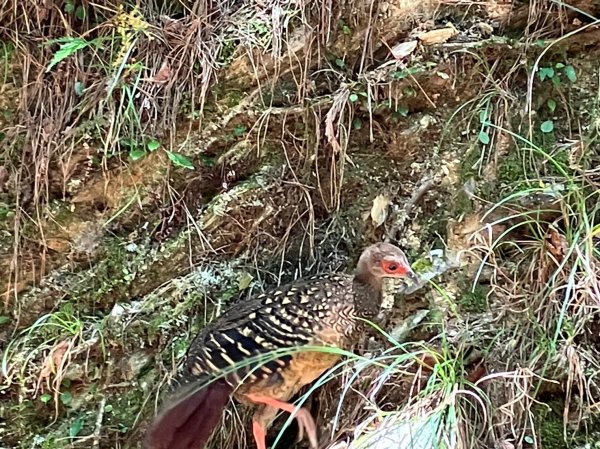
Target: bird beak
(412,276)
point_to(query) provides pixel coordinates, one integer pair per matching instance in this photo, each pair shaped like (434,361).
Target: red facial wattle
(394,268)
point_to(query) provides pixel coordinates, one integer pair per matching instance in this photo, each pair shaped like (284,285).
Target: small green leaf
(571,74)
(239,130)
(66,398)
(108,408)
(547,126)
(409,92)
(402,110)
(551,104)
(4,319)
(357,123)
(556,81)
(153,145)
(546,72)
(66,49)
(180,160)
(353,98)
(528,439)
(76,427)
(244,280)
(80,12)
(128,142)
(484,137)
(207,160)
(136,155)
(340,63)
(45,398)
(69,7)
(483,116)
(78,88)
(559,65)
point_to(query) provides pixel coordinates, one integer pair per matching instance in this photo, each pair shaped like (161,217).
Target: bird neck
(368,295)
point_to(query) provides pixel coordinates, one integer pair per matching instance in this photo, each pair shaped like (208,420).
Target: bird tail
(188,422)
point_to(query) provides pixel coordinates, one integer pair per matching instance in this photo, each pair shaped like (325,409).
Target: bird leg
(260,435)
(306,423)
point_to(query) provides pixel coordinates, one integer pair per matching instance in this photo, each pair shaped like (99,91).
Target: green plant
(554,74)
(68,46)
(77,10)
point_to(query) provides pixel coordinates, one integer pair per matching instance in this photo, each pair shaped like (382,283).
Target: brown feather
(188,424)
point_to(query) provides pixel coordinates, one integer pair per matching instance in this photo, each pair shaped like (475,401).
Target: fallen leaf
(244,280)
(163,75)
(556,244)
(379,210)
(485,28)
(403,49)
(499,9)
(477,372)
(54,359)
(438,36)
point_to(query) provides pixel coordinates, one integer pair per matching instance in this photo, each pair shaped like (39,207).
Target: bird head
(384,260)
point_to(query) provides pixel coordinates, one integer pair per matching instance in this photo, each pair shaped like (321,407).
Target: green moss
(474,300)
(551,432)
(550,426)
(511,170)
(112,274)
(124,409)
(469,164)
(436,320)
(462,203)
(234,97)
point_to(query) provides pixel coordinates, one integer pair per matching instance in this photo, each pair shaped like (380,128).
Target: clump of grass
(554,286)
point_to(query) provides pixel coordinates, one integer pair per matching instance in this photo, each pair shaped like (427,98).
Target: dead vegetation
(160,160)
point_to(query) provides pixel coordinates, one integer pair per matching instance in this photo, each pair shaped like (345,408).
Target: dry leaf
(244,280)
(404,49)
(379,210)
(438,36)
(485,28)
(499,9)
(556,244)
(163,75)
(54,359)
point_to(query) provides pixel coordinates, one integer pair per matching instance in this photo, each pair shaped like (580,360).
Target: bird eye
(393,268)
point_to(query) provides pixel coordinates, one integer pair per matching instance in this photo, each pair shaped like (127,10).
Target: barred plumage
(316,311)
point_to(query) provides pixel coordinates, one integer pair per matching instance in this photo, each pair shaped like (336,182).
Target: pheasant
(323,310)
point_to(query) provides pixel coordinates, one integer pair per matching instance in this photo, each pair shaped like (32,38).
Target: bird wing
(247,340)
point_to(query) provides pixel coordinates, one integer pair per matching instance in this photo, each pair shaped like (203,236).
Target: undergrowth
(162,160)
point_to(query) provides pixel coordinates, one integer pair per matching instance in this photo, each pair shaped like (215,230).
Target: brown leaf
(404,49)
(54,359)
(556,244)
(437,36)
(477,372)
(379,210)
(163,75)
